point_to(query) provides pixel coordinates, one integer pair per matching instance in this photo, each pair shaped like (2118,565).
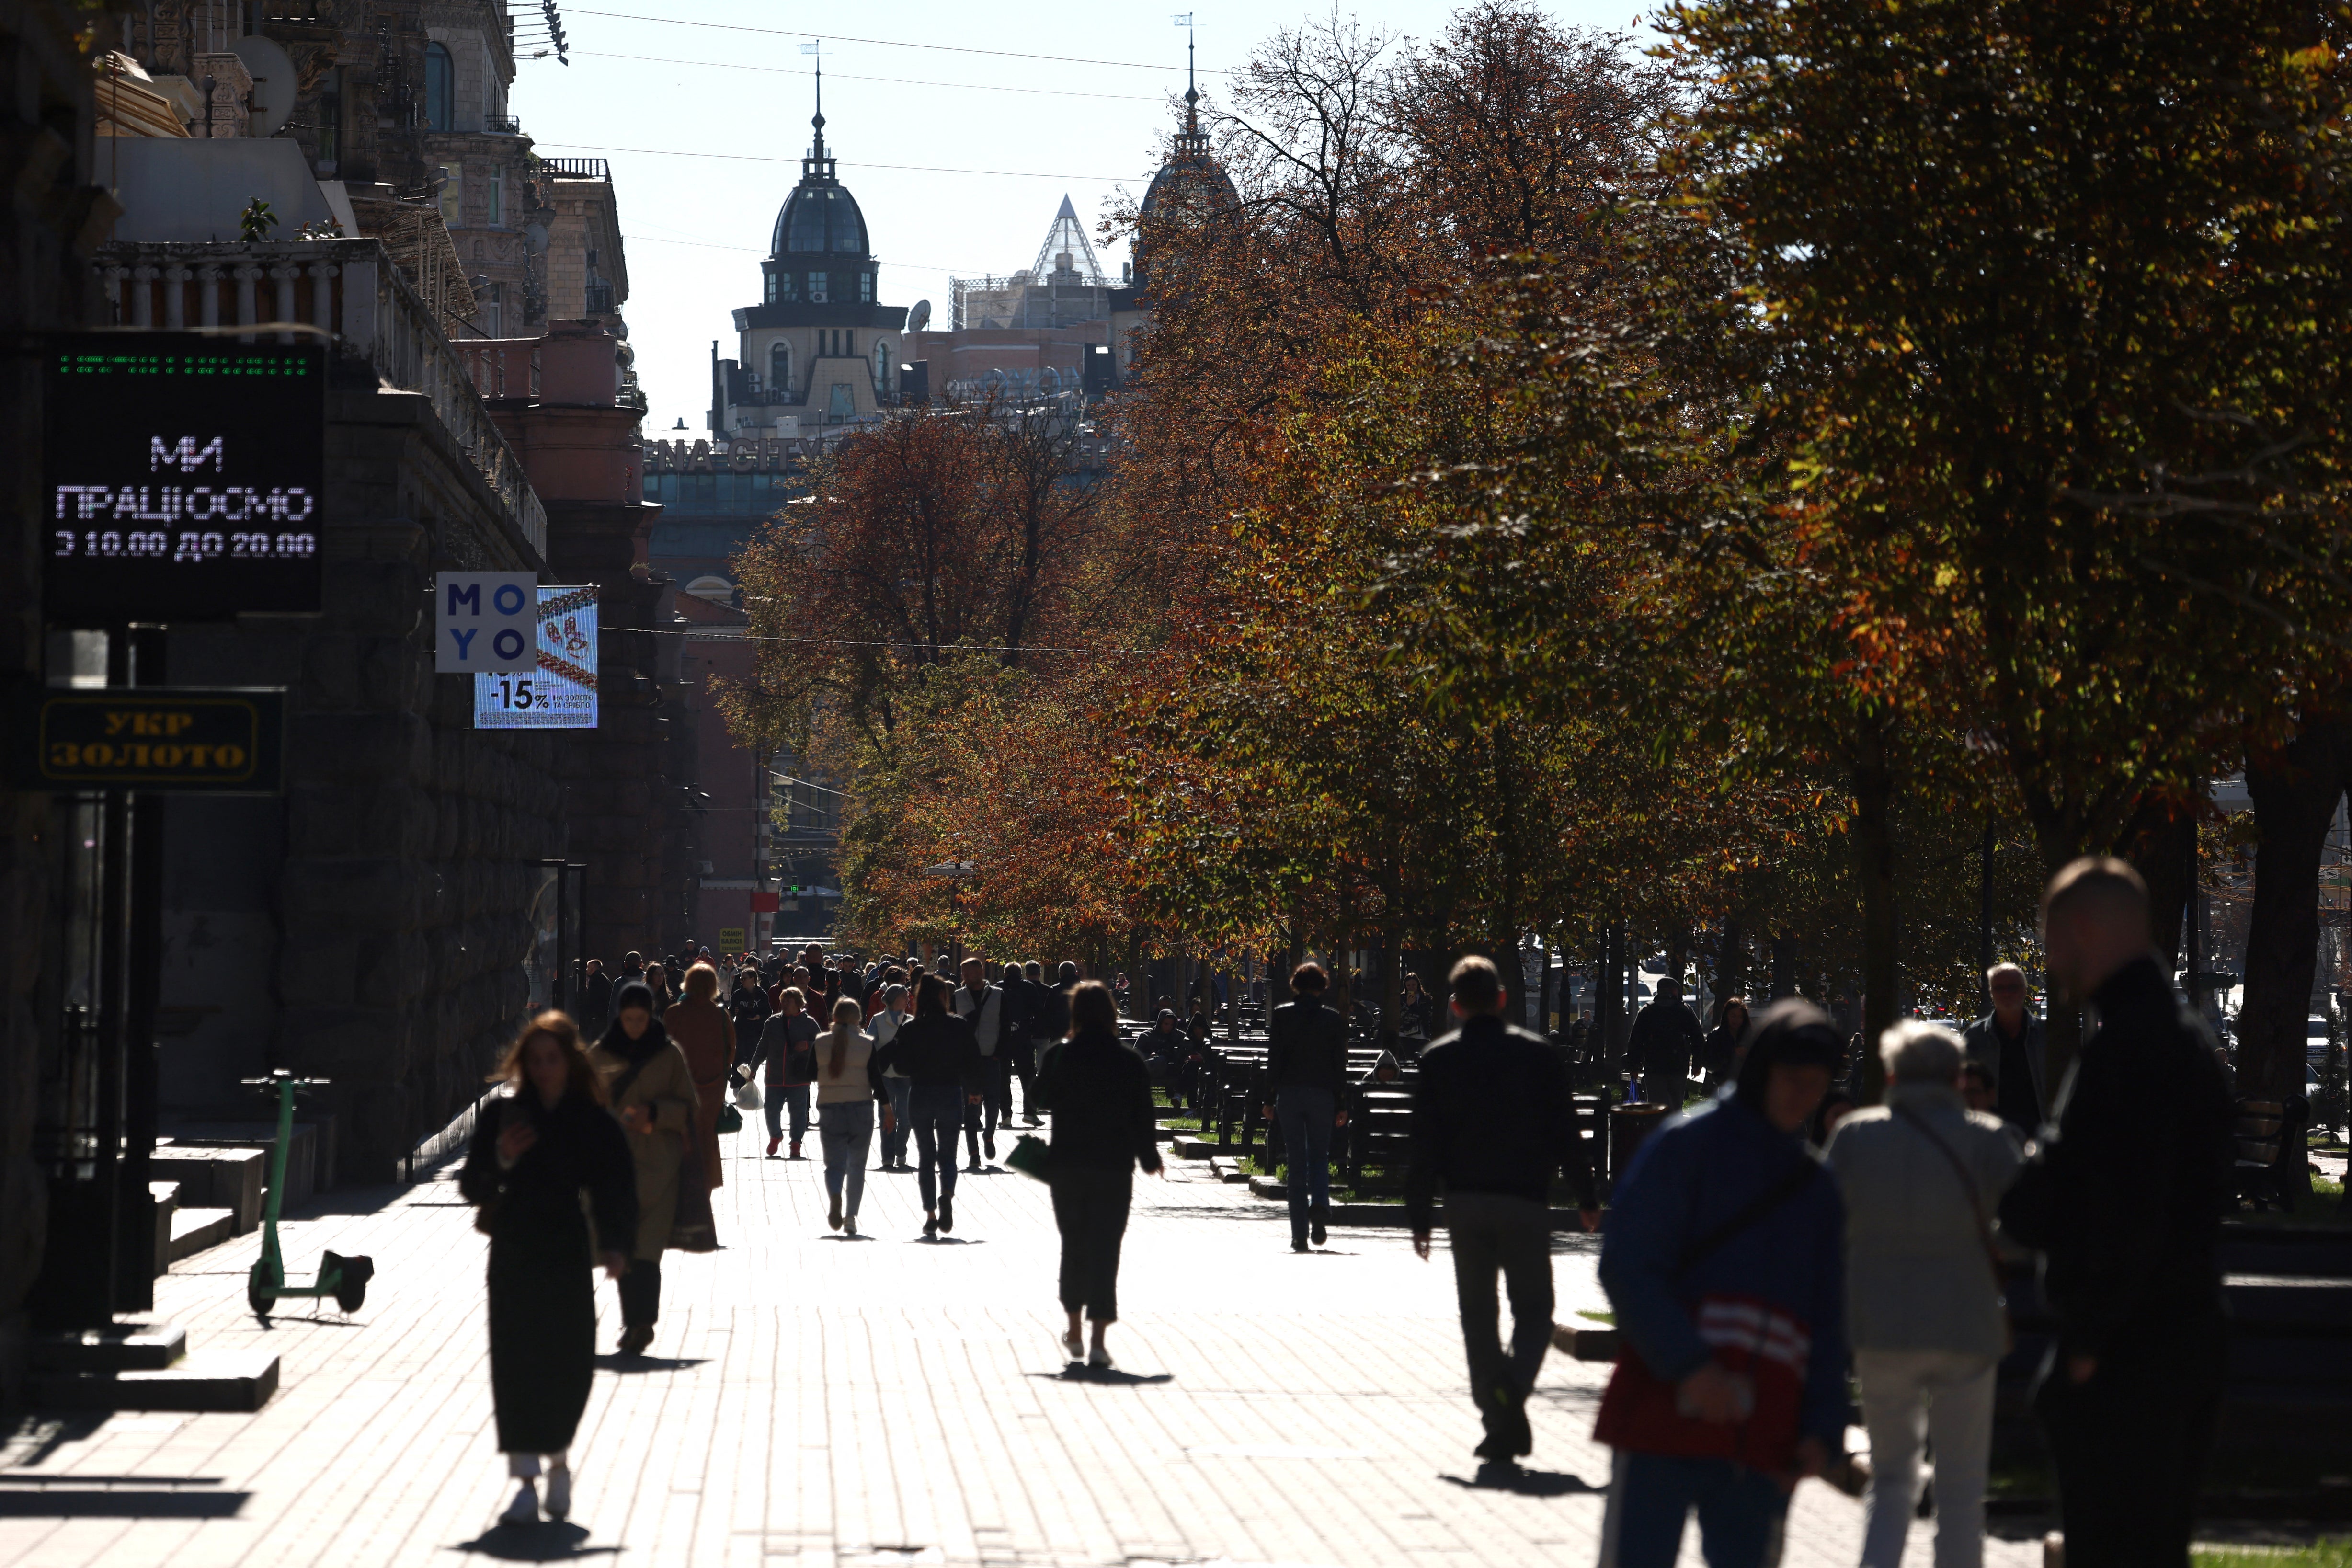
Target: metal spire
(816,165)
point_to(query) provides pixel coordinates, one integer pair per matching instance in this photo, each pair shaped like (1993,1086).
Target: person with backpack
(1724,1261)
(1922,1177)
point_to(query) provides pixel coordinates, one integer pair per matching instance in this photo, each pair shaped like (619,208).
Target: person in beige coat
(651,1092)
(706,1033)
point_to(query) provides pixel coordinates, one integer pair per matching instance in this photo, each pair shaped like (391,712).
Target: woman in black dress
(536,1148)
(1099,1092)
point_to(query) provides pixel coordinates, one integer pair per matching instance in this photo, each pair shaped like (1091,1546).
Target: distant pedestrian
(983,1006)
(787,1056)
(1050,1004)
(1016,1047)
(935,1048)
(647,1081)
(2014,1047)
(845,1111)
(707,1035)
(1724,1261)
(1666,1038)
(1720,1059)
(595,999)
(747,1005)
(2124,1199)
(1922,1177)
(884,1026)
(1306,1079)
(1416,1014)
(657,982)
(1100,1093)
(536,1149)
(1494,1119)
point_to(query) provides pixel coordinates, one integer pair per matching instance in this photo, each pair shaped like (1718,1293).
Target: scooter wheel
(257,1292)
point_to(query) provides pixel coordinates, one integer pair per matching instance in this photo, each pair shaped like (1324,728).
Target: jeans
(894,1141)
(640,1290)
(983,1117)
(1953,1393)
(1650,1495)
(2130,1443)
(1090,1211)
(796,1097)
(848,1132)
(1490,1233)
(1305,1116)
(936,1109)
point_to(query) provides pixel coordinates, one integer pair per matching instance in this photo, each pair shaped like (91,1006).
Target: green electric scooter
(344,1278)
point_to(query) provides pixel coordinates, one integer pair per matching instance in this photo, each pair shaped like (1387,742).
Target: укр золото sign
(220,740)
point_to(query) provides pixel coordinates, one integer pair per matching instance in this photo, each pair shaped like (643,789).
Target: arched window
(881,365)
(780,368)
(440,90)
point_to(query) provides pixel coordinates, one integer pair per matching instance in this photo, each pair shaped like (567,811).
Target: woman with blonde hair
(646,1081)
(536,1148)
(846,1093)
(705,1032)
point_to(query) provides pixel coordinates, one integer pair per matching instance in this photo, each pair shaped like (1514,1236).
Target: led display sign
(560,691)
(183,478)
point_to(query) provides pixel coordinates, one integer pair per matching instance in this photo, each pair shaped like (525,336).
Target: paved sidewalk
(812,1402)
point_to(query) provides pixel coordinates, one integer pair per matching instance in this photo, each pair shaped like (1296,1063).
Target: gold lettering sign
(228,741)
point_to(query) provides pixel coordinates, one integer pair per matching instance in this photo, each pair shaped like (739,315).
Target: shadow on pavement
(533,1544)
(1492,1478)
(629,1364)
(1111,1376)
(65,1502)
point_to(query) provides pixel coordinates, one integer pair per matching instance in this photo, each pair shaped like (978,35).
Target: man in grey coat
(2008,1042)
(1923,1176)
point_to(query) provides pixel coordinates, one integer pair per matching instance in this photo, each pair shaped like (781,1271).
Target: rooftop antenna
(1191,143)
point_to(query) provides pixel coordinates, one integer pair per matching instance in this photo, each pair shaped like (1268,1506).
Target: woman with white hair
(1923,1175)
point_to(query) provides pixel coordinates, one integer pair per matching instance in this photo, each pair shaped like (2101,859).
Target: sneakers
(559,1493)
(932,1224)
(947,1211)
(973,1169)
(833,1218)
(524,1510)
(1316,1233)
(849,1225)
(1297,1244)
(1509,1428)
(1099,1359)
(988,1142)
(1074,1349)
(773,1145)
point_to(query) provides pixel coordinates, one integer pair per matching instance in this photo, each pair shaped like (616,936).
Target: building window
(493,312)
(498,196)
(881,365)
(843,405)
(330,121)
(452,195)
(440,90)
(772,288)
(817,287)
(780,368)
(865,286)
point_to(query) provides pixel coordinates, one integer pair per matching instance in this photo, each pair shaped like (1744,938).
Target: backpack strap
(1793,1182)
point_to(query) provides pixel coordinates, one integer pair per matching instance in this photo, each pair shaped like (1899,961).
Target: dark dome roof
(819,218)
(1196,181)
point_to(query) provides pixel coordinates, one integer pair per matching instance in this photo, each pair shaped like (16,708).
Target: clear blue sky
(986,144)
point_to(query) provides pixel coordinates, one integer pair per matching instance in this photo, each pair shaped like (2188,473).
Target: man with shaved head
(2124,1199)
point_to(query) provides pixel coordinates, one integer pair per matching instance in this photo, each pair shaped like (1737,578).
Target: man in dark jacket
(595,1001)
(2124,1199)
(1015,1044)
(748,1003)
(2011,1046)
(1665,1039)
(1305,1079)
(1493,1117)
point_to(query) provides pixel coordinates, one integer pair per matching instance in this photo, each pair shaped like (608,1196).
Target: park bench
(2269,1167)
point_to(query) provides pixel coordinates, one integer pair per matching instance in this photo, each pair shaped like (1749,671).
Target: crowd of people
(1771,1253)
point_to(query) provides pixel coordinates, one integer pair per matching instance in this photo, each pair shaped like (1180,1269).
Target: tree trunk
(1784,967)
(1609,1002)
(1391,983)
(2294,792)
(1731,963)
(2159,844)
(1873,851)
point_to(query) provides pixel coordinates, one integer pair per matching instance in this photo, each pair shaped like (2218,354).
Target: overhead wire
(886,43)
(894,80)
(846,163)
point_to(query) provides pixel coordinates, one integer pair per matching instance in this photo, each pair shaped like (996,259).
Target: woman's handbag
(1030,1156)
(729,1119)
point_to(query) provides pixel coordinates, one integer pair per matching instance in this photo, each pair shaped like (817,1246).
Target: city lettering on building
(769,455)
(485,622)
(185,477)
(223,740)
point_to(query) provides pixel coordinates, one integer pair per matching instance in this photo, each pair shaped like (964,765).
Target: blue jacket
(1694,1173)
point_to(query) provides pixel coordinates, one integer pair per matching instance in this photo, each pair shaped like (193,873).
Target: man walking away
(1922,1177)
(595,1000)
(1305,1075)
(1665,1039)
(1015,1046)
(1723,1260)
(1493,1117)
(983,1006)
(2010,1044)
(2124,1199)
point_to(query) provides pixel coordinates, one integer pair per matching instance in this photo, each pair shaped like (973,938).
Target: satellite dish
(273,82)
(919,317)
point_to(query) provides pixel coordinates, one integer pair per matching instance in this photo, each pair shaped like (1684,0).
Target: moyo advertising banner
(561,692)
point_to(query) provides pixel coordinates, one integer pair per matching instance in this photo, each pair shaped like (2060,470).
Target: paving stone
(882,1402)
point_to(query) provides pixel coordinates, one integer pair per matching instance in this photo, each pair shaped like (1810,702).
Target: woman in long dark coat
(536,1148)
(1099,1094)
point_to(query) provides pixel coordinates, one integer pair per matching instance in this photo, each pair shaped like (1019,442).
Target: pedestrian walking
(983,1006)
(1666,1038)
(787,1056)
(900,1088)
(647,1081)
(1099,1094)
(536,1149)
(846,1093)
(1305,1076)
(2124,1199)
(1922,1177)
(935,1048)
(1494,1119)
(707,1035)
(658,982)
(1016,1046)
(747,1005)
(595,999)
(1050,1003)
(1724,1262)
(2013,1048)
(1720,1058)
